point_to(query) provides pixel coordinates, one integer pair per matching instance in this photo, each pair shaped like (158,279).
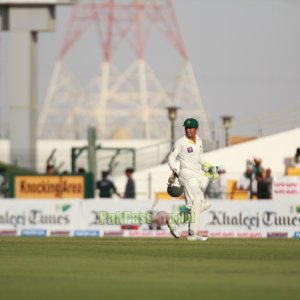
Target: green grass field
(119,268)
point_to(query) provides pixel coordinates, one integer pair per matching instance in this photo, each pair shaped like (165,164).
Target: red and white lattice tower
(133,100)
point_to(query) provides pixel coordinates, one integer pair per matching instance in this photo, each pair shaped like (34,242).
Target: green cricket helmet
(175,190)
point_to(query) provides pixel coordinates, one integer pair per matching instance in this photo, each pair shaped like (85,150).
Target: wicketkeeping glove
(206,167)
(210,171)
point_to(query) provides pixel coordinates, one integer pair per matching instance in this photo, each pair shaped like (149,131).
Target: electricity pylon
(134,99)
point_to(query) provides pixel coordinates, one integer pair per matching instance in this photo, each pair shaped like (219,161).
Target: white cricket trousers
(194,196)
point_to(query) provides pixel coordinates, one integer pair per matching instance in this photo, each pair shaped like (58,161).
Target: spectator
(50,169)
(269,180)
(213,190)
(130,185)
(217,189)
(222,180)
(257,166)
(106,187)
(263,187)
(247,182)
(297,158)
(2,186)
(81,170)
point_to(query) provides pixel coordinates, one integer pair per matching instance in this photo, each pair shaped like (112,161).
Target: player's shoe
(173,230)
(205,206)
(197,238)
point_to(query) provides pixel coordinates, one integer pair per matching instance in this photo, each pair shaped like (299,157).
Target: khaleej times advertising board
(224,219)
(34,217)
(98,217)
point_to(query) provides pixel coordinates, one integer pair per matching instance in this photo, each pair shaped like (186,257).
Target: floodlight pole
(227,120)
(172,115)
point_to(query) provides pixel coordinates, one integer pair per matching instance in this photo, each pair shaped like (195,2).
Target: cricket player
(186,161)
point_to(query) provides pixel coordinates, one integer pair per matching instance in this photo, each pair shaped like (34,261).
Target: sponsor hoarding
(297,234)
(50,215)
(277,234)
(48,187)
(286,188)
(87,233)
(252,218)
(99,217)
(60,233)
(34,232)
(8,232)
(231,219)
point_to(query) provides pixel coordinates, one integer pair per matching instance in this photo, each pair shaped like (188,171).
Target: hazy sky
(245,54)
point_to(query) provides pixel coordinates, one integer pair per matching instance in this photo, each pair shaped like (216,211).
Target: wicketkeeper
(186,161)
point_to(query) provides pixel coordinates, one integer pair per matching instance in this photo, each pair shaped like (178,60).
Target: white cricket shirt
(187,153)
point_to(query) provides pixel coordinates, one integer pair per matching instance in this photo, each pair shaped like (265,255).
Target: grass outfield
(119,268)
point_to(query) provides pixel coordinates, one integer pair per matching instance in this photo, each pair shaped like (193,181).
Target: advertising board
(39,216)
(129,218)
(286,187)
(51,186)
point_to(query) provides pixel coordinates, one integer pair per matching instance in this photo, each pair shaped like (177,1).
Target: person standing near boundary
(188,152)
(106,187)
(130,184)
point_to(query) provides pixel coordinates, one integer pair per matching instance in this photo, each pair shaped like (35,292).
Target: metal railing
(117,160)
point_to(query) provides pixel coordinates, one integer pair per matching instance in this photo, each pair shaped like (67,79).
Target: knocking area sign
(49,187)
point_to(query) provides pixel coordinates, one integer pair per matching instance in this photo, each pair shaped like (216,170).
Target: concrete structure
(24,19)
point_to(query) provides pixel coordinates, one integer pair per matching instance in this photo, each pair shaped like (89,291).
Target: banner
(129,218)
(34,217)
(110,214)
(265,218)
(286,187)
(225,218)
(48,187)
